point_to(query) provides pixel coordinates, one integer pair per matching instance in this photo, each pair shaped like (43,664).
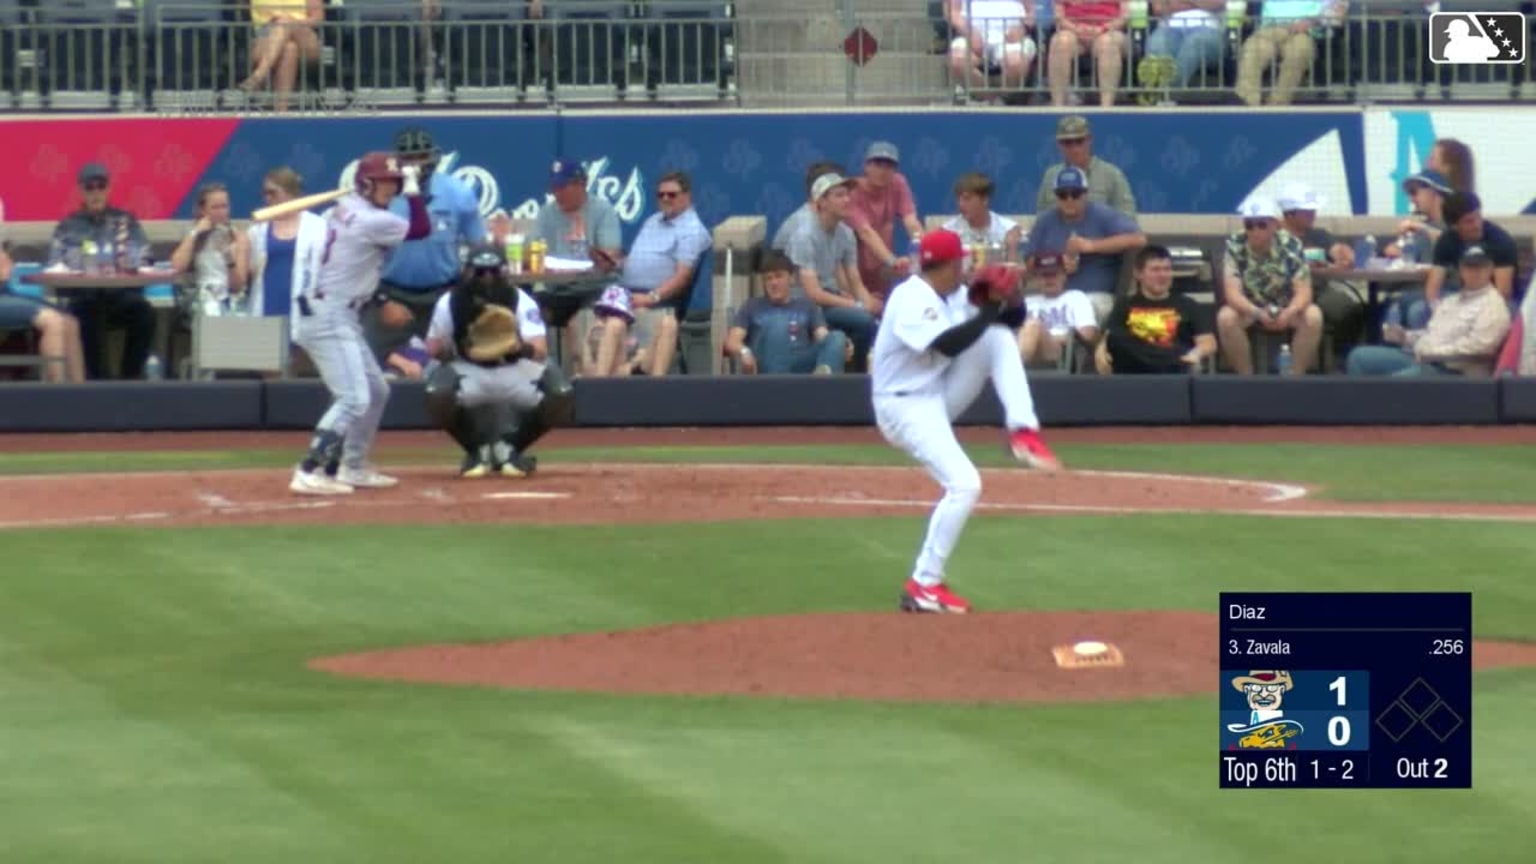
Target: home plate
(529,495)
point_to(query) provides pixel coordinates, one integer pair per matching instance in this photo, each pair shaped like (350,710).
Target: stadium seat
(382,50)
(590,47)
(87,51)
(488,49)
(190,50)
(688,48)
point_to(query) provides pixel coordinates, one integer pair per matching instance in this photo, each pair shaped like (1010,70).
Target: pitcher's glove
(494,335)
(996,283)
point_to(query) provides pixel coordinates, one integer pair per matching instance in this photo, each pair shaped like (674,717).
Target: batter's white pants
(332,336)
(920,425)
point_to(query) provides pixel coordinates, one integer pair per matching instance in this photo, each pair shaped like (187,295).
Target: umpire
(420,271)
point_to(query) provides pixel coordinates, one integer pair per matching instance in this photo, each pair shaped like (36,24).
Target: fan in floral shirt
(1267,283)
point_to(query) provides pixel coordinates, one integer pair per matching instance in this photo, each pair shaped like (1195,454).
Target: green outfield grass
(155,706)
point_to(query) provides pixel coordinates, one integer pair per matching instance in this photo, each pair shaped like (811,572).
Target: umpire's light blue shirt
(433,261)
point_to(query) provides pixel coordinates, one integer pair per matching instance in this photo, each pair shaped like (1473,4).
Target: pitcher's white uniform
(918,393)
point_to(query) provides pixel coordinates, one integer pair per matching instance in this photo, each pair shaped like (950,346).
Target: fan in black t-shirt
(1467,227)
(1154,331)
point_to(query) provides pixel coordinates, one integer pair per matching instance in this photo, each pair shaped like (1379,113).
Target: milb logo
(1482,38)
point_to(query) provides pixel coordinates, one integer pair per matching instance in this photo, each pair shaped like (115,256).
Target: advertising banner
(740,162)
(1398,141)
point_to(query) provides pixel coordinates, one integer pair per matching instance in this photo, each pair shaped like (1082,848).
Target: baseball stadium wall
(702,401)
(753,162)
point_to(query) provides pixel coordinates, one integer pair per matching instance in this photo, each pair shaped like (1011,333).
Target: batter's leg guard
(324,449)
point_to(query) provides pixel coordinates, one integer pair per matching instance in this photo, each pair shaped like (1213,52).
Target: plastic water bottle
(1365,250)
(1283,365)
(154,370)
(1408,245)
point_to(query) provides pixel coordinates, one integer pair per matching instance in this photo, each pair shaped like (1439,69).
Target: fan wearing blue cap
(577,225)
(1093,239)
(1418,233)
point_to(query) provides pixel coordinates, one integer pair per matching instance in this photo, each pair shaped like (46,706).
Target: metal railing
(119,54)
(160,54)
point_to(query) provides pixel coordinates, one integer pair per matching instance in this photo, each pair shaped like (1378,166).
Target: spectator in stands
(1188,43)
(215,255)
(576,225)
(1106,182)
(976,223)
(286,35)
(806,213)
(1426,190)
(58,333)
(421,271)
(1152,330)
(655,281)
(1453,158)
(825,256)
(780,334)
(1290,30)
(1093,239)
(1341,303)
(1462,337)
(1082,25)
(991,38)
(1467,228)
(878,200)
(286,251)
(1055,314)
(1266,283)
(99,235)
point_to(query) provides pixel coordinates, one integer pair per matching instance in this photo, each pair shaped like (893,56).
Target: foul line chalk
(541,496)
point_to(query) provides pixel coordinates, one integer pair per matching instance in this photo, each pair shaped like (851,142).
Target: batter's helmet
(377,165)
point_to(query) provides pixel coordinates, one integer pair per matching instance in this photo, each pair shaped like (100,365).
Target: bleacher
(139,55)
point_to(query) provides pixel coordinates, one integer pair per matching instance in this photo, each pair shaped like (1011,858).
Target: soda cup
(515,253)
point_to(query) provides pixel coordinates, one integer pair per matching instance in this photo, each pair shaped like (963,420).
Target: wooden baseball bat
(275,211)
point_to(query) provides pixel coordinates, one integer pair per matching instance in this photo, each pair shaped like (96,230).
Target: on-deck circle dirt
(1007,655)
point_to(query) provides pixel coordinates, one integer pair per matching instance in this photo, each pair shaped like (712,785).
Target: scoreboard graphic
(1346,690)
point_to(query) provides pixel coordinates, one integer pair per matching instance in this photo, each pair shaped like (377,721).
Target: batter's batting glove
(411,186)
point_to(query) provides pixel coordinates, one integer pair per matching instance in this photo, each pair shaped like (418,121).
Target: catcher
(488,385)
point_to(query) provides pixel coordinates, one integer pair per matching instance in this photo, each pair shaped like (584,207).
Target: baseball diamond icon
(1419,705)
(1477,37)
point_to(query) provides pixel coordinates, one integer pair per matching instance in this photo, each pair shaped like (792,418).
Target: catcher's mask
(484,265)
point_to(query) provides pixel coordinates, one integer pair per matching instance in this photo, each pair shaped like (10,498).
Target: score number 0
(1338,727)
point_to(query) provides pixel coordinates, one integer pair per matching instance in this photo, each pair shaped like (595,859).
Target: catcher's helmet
(414,142)
(377,165)
(485,256)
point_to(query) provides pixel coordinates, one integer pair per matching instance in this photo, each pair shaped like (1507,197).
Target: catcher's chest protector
(467,304)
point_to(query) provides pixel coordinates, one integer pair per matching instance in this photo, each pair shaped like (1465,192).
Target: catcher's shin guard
(442,405)
(557,408)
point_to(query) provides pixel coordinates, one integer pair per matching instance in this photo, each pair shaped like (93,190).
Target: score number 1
(1338,727)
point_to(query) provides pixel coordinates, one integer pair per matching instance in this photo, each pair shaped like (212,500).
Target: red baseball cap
(940,246)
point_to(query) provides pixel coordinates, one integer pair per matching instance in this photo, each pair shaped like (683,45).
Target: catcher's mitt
(494,334)
(995,283)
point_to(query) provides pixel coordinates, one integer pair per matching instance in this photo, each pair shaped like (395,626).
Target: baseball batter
(491,388)
(937,345)
(327,324)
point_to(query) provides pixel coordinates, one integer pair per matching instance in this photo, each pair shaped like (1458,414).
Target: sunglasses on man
(668,194)
(1068,194)
(1255,224)
(94,185)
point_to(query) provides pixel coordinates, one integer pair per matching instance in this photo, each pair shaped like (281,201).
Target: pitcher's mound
(986,657)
